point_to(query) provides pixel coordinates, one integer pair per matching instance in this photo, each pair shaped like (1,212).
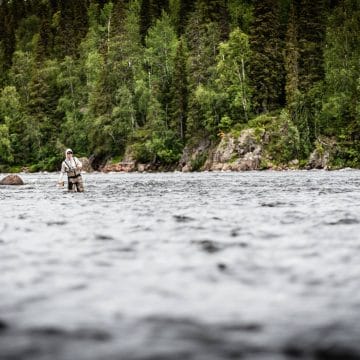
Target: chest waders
(75,182)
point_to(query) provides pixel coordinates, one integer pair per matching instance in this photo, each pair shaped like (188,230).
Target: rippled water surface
(255,265)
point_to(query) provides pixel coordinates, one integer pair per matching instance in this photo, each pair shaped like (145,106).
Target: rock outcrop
(127,164)
(321,157)
(319,160)
(12,180)
(123,166)
(194,156)
(237,153)
(86,164)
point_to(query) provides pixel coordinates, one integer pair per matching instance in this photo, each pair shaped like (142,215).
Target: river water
(203,266)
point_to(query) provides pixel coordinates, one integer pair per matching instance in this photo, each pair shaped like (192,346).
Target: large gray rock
(319,160)
(194,156)
(321,157)
(86,164)
(12,180)
(237,153)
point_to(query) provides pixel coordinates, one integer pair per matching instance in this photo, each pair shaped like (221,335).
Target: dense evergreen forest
(150,77)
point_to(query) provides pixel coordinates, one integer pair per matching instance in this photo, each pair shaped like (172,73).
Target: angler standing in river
(72,167)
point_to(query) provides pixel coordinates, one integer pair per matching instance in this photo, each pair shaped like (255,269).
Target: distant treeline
(150,76)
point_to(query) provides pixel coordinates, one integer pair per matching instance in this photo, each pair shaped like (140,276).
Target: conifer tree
(232,76)
(215,11)
(202,38)
(292,57)
(267,64)
(41,113)
(145,19)
(160,51)
(311,33)
(179,92)
(71,28)
(14,126)
(44,44)
(7,37)
(179,11)
(341,110)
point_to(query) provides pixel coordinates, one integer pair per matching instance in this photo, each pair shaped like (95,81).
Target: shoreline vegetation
(182,85)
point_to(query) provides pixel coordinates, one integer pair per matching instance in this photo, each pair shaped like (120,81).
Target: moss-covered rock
(195,155)
(243,152)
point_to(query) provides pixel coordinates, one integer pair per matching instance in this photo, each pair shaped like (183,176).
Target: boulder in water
(12,180)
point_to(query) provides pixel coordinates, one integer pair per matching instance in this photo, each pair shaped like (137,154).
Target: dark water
(256,265)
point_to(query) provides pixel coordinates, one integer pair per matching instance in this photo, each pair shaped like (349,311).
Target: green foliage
(11,114)
(232,75)
(266,69)
(179,92)
(164,149)
(203,40)
(5,144)
(161,45)
(340,111)
(311,33)
(199,161)
(225,101)
(241,14)
(284,140)
(100,76)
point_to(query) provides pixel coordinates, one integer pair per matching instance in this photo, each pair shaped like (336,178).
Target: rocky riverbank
(250,149)
(270,142)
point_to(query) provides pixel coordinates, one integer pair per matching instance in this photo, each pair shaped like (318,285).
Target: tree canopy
(108,76)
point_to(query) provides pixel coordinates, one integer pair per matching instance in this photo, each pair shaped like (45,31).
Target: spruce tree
(311,34)
(44,44)
(8,25)
(267,68)
(202,38)
(145,19)
(71,29)
(179,92)
(180,10)
(292,56)
(340,109)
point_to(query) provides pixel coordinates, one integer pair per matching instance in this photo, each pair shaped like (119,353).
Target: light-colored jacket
(70,166)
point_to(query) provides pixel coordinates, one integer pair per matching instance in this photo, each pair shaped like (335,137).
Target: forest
(149,78)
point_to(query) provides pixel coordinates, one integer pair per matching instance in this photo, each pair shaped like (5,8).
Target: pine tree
(202,38)
(311,33)
(179,92)
(7,40)
(292,57)
(267,64)
(44,44)
(341,110)
(179,11)
(232,76)
(71,28)
(12,115)
(241,13)
(111,110)
(145,19)
(41,112)
(160,51)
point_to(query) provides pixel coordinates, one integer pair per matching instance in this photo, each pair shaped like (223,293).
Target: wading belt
(73,177)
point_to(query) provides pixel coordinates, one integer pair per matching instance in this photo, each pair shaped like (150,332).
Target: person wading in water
(72,167)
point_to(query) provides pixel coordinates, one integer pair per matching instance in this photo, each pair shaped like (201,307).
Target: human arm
(62,172)
(78,163)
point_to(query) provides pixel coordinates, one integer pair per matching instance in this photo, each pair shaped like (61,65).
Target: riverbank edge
(227,156)
(261,147)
